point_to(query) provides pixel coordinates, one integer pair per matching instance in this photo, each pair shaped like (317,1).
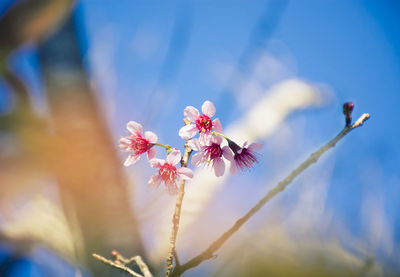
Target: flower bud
(347,110)
(235,148)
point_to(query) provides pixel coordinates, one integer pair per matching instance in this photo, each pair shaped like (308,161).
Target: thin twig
(177,215)
(139,261)
(117,264)
(209,252)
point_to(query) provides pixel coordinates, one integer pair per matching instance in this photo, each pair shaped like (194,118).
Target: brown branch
(121,263)
(117,264)
(139,261)
(209,252)
(177,215)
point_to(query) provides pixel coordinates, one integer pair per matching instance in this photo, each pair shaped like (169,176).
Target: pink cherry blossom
(168,173)
(202,122)
(210,153)
(137,144)
(242,157)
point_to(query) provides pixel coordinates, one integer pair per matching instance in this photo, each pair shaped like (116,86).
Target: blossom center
(168,172)
(213,151)
(140,145)
(204,123)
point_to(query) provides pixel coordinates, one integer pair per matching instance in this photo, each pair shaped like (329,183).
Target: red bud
(347,110)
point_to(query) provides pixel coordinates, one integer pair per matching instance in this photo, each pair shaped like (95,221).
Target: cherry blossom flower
(168,173)
(202,122)
(137,144)
(210,153)
(242,157)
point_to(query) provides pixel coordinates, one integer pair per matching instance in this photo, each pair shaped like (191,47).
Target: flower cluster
(138,145)
(210,151)
(208,145)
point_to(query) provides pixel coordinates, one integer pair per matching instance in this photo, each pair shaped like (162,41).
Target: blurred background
(73,73)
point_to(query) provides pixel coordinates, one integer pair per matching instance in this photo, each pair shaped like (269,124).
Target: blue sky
(351,46)
(150,59)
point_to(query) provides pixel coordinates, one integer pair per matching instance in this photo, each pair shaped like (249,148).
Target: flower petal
(151,153)
(185,173)
(191,113)
(217,125)
(227,153)
(150,136)
(194,144)
(198,159)
(155,181)
(124,143)
(208,108)
(234,167)
(205,139)
(171,186)
(219,167)
(133,158)
(156,163)
(174,157)
(135,128)
(255,147)
(216,140)
(188,131)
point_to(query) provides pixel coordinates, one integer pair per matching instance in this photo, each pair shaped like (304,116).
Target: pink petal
(227,153)
(174,157)
(151,153)
(198,159)
(172,188)
(135,128)
(208,108)
(219,167)
(133,158)
(216,140)
(241,149)
(205,139)
(234,167)
(150,136)
(155,181)
(194,144)
(191,113)
(188,131)
(156,163)
(255,146)
(124,142)
(185,173)
(217,125)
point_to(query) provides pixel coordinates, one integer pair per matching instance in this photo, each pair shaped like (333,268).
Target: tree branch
(177,215)
(116,264)
(121,263)
(209,252)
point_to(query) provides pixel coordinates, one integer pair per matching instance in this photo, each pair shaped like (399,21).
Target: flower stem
(169,148)
(221,135)
(177,215)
